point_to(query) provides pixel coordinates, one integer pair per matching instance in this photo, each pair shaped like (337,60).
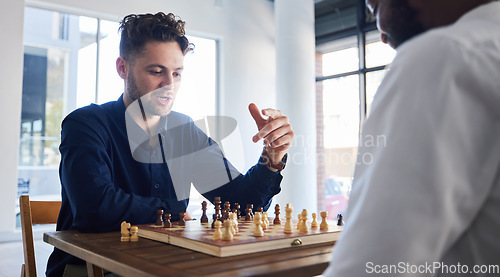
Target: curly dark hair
(138,29)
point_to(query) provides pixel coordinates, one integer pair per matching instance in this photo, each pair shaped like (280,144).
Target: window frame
(366,23)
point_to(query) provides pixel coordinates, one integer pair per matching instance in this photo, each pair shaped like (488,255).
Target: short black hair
(139,29)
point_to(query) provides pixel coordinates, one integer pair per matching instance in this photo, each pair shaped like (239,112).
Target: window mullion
(361,17)
(98,51)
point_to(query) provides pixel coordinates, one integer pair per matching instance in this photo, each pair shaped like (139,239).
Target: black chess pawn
(182,222)
(214,217)
(223,216)
(249,212)
(237,208)
(167,223)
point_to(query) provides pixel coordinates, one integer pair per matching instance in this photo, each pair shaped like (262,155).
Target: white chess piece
(314,223)
(288,222)
(217,232)
(257,220)
(303,226)
(324,225)
(228,234)
(134,230)
(125,231)
(234,217)
(265,220)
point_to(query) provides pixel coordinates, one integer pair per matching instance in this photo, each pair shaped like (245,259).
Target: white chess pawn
(134,230)
(300,221)
(217,232)
(257,220)
(314,223)
(262,223)
(228,234)
(288,222)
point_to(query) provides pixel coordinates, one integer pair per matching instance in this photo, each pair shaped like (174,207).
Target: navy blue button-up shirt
(105,177)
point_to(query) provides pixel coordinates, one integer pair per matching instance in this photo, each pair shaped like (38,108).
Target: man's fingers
(272,113)
(270,127)
(275,130)
(271,138)
(280,142)
(282,148)
(255,112)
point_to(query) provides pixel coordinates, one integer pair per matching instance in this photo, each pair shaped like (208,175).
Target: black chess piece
(277,220)
(167,223)
(159,219)
(249,212)
(204,218)
(237,208)
(340,221)
(182,222)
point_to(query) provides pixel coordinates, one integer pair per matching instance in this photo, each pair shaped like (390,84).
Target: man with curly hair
(126,159)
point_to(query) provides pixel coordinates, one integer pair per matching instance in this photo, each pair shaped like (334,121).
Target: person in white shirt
(426,201)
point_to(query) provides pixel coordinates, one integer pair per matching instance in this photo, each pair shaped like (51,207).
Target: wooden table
(151,258)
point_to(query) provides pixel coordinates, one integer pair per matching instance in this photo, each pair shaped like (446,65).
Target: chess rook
(324,225)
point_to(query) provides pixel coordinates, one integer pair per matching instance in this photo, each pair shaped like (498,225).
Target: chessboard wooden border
(228,249)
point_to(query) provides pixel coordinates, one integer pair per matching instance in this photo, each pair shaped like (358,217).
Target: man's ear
(122,67)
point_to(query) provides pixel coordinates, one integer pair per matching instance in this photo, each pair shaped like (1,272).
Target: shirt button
(157,186)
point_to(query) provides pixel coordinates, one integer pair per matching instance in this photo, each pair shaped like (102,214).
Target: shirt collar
(135,134)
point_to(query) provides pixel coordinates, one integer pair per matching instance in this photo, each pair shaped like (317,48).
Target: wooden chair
(34,212)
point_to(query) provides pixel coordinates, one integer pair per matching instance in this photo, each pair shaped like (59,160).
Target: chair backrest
(34,212)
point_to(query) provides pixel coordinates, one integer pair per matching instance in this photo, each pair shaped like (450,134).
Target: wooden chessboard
(199,237)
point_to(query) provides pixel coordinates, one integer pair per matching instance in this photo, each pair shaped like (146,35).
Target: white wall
(245,27)
(295,87)
(11,71)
